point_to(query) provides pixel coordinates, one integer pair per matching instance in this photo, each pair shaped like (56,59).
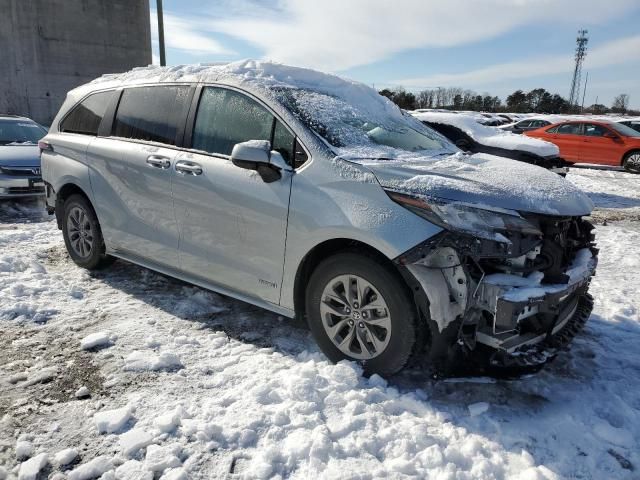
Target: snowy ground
(183,383)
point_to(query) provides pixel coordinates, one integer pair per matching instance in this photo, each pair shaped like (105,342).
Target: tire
(631,162)
(395,333)
(82,234)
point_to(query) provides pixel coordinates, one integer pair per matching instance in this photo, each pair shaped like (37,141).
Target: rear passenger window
(568,129)
(85,118)
(151,113)
(226,117)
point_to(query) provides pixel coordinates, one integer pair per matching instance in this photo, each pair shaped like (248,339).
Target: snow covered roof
(345,113)
(253,74)
(490,136)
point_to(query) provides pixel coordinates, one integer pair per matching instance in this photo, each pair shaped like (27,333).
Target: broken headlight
(481,222)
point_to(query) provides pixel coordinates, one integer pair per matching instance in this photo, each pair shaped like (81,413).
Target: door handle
(159,161)
(188,168)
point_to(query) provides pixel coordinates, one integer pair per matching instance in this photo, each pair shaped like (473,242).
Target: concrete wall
(48,47)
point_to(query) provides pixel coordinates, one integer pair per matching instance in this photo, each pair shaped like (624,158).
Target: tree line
(538,100)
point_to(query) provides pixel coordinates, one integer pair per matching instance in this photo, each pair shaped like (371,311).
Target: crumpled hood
(485,180)
(20,155)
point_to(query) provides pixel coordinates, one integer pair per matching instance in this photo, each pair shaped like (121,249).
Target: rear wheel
(82,234)
(631,162)
(359,309)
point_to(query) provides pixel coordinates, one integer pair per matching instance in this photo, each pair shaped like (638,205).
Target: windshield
(20,132)
(624,130)
(374,124)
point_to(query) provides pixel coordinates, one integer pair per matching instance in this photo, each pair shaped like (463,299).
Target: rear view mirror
(610,135)
(256,155)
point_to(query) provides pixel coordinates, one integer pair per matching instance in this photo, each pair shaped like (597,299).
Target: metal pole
(163,60)
(584,92)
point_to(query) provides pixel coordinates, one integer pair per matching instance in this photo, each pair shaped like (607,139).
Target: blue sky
(493,46)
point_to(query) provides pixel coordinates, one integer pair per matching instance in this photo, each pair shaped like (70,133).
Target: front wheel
(631,162)
(359,309)
(82,234)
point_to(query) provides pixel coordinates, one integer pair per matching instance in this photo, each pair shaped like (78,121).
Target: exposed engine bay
(522,295)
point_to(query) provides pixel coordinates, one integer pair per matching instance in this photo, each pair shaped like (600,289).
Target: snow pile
(144,360)
(30,469)
(134,440)
(491,136)
(110,421)
(92,469)
(159,459)
(65,457)
(24,449)
(479,408)
(96,340)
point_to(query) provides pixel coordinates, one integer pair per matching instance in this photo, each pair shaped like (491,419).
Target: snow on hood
(491,136)
(485,180)
(27,155)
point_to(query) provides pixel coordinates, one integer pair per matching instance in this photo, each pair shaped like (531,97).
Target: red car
(591,141)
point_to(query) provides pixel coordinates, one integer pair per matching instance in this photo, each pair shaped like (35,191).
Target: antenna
(581,52)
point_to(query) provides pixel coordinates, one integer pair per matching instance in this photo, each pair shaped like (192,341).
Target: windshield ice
(347,125)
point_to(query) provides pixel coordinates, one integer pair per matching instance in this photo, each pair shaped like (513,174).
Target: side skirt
(286,312)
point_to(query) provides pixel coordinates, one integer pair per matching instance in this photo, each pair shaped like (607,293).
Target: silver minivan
(314,197)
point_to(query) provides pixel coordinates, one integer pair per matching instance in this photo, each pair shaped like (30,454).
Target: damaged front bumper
(531,314)
(474,292)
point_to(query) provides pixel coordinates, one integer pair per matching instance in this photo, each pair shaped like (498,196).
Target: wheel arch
(323,251)
(65,192)
(627,153)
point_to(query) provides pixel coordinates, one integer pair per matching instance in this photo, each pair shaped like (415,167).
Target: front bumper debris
(513,301)
(536,355)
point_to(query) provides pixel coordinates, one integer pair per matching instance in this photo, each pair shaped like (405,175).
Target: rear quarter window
(85,117)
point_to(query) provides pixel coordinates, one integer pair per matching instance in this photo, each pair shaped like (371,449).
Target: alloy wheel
(633,163)
(80,232)
(355,317)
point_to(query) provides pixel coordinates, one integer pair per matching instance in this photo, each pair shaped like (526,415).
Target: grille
(19,190)
(21,171)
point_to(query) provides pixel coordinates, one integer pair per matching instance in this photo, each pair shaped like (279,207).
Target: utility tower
(581,52)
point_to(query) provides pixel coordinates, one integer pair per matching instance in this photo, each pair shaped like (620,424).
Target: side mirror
(256,155)
(610,135)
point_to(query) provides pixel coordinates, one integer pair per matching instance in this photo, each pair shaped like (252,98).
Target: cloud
(621,51)
(186,34)
(336,35)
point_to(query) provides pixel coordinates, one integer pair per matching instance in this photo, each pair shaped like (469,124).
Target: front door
(232,224)
(600,145)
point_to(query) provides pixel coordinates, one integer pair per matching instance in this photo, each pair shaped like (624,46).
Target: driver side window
(226,117)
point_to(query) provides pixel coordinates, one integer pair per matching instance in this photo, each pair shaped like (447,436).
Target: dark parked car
(20,157)
(472,137)
(633,123)
(525,125)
